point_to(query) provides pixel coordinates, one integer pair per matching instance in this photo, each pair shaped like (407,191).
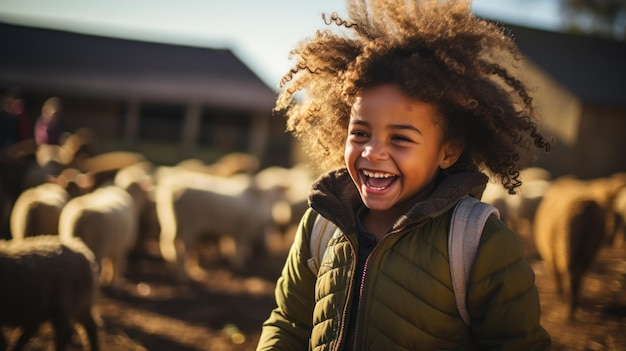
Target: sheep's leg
(91,328)
(243,250)
(118,265)
(558,278)
(3,341)
(63,333)
(574,296)
(105,276)
(180,247)
(27,332)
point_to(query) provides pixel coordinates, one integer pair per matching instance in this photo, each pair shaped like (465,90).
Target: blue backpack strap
(466,226)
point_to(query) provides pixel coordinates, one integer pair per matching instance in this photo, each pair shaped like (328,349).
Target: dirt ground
(225,310)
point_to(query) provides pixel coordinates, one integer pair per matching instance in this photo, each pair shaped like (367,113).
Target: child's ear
(451,151)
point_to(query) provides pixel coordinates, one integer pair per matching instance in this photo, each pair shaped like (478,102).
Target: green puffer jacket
(407,301)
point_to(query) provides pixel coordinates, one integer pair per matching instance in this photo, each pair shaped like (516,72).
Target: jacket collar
(335,197)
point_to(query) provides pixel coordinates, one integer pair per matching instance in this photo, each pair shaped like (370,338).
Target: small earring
(444,165)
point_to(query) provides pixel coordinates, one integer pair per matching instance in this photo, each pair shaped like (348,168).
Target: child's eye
(358,133)
(400,138)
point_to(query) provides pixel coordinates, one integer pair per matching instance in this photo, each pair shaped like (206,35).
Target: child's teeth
(377,175)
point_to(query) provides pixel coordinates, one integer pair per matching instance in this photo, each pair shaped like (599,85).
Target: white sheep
(522,207)
(108,218)
(296,183)
(137,180)
(36,211)
(192,206)
(44,279)
(103,167)
(225,166)
(106,221)
(518,210)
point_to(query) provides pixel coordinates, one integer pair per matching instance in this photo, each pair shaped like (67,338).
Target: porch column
(131,125)
(259,133)
(191,128)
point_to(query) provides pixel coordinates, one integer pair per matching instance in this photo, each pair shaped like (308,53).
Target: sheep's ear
(146,183)
(85,181)
(51,179)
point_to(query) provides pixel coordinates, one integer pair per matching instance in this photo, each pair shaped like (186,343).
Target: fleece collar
(335,197)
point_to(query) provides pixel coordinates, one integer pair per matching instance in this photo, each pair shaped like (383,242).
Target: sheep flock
(73,216)
(66,207)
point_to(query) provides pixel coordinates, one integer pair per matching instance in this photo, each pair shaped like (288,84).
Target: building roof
(594,69)
(86,65)
(46,60)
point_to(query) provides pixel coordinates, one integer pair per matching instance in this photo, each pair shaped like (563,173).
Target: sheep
(106,221)
(137,180)
(108,218)
(47,279)
(619,207)
(191,206)
(81,144)
(296,182)
(496,195)
(14,168)
(103,167)
(605,190)
(518,210)
(225,166)
(74,181)
(235,162)
(522,207)
(53,158)
(568,233)
(36,211)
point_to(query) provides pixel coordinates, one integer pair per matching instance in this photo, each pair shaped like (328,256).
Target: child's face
(394,147)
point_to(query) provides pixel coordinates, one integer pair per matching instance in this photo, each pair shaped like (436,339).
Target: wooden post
(259,134)
(131,125)
(191,128)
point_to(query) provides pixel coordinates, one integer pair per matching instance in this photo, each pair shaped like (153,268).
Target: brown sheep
(619,206)
(44,279)
(569,230)
(605,190)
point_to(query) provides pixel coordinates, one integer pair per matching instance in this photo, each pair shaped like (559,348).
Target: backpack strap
(323,230)
(468,220)
(466,226)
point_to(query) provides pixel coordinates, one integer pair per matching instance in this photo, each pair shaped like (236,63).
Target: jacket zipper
(362,290)
(360,303)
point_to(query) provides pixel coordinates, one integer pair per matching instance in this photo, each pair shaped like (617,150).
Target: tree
(605,18)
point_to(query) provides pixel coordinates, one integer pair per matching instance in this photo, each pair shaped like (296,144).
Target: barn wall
(601,147)
(559,115)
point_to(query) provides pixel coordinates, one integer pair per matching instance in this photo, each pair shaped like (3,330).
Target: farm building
(167,101)
(172,102)
(580,90)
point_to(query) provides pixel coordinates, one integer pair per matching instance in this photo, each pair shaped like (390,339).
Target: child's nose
(374,151)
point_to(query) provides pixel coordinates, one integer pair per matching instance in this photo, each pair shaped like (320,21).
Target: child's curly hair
(434,51)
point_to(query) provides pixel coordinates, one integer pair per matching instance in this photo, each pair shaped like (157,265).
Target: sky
(260,32)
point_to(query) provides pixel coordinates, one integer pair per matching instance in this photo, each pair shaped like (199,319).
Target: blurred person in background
(48,127)
(15,125)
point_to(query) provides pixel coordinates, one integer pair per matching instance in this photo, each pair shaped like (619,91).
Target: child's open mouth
(378,180)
